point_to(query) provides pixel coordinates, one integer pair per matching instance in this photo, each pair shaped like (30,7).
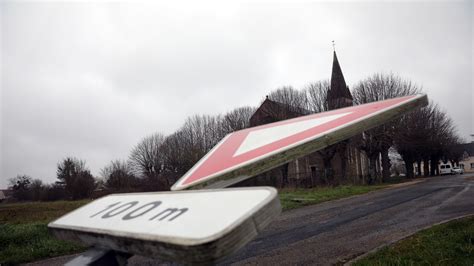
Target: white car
(445,169)
(457,171)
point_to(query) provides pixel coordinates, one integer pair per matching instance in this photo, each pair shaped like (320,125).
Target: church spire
(338,95)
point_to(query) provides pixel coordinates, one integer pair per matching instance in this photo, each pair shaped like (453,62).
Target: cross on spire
(339,94)
(334,45)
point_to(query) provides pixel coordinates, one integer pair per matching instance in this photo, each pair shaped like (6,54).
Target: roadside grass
(31,241)
(295,198)
(397,179)
(24,235)
(30,212)
(450,243)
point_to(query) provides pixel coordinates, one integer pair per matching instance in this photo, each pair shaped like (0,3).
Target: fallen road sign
(249,152)
(198,226)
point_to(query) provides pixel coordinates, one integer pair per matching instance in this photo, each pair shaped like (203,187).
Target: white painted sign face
(246,153)
(170,220)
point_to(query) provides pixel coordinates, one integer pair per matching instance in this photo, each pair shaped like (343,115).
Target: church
(340,163)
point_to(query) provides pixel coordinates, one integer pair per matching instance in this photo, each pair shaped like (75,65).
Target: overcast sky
(90,80)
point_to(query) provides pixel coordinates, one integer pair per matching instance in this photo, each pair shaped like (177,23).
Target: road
(338,231)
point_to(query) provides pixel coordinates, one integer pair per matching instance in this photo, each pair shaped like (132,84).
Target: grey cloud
(92,79)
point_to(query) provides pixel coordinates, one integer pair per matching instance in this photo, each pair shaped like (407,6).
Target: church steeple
(338,95)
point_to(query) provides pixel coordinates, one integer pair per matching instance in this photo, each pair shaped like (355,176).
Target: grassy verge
(295,198)
(28,242)
(24,236)
(31,212)
(451,243)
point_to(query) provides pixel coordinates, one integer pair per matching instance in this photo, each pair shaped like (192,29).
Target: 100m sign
(133,209)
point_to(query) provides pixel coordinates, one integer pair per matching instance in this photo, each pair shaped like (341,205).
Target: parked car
(445,169)
(457,171)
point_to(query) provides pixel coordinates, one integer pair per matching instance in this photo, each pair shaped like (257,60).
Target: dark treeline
(157,161)
(425,134)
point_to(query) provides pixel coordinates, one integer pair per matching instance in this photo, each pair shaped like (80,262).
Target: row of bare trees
(157,161)
(377,141)
(425,135)
(25,188)
(428,136)
(310,99)
(75,181)
(153,164)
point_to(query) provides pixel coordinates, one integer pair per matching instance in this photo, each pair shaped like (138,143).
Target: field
(451,243)
(23,226)
(24,236)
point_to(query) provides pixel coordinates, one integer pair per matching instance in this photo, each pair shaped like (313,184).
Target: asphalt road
(338,231)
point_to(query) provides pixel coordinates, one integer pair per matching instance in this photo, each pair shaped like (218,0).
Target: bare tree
(201,133)
(182,149)
(118,175)
(20,185)
(411,142)
(292,102)
(237,119)
(316,94)
(193,140)
(442,136)
(455,151)
(427,135)
(147,161)
(379,140)
(176,157)
(75,177)
(37,189)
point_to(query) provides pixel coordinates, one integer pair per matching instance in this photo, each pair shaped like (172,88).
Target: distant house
(5,194)
(467,162)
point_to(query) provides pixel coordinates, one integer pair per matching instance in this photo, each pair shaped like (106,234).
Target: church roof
(297,111)
(272,111)
(338,88)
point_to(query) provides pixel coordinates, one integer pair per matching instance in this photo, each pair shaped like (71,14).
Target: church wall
(311,171)
(292,169)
